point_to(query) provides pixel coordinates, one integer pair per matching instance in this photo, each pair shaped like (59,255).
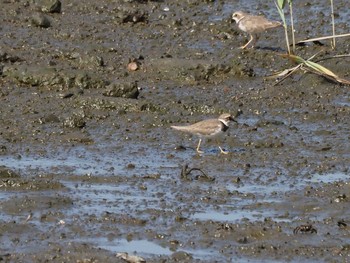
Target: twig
(323,38)
(333,27)
(291,71)
(335,56)
(292,22)
(185,172)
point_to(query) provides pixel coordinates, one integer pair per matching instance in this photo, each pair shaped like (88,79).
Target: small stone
(7,173)
(41,20)
(124,90)
(133,66)
(130,166)
(74,121)
(130,258)
(181,256)
(236,180)
(50,118)
(50,6)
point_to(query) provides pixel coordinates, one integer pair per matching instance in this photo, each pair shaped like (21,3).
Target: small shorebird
(253,24)
(208,128)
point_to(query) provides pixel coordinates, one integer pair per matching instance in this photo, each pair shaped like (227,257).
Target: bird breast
(241,26)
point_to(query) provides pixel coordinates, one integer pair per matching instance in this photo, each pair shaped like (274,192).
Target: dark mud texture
(90,165)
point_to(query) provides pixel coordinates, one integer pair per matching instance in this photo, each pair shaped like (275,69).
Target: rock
(188,69)
(50,6)
(7,173)
(40,20)
(133,66)
(83,80)
(91,62)
(181,256)
(50,77)
(107,103)
(33,75)
(130,258)
(124,90)
(128,15)
(75,121)
(5,57)
(263,123)
(50,118)
(135,63)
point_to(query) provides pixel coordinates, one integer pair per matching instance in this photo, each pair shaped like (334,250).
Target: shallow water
(123,196)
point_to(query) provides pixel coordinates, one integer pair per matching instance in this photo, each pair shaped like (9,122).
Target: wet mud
(90,167)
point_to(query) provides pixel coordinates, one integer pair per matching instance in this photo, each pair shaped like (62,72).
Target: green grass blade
(281,3)
(319,68)
(294,58)
(280,11)
(311,65)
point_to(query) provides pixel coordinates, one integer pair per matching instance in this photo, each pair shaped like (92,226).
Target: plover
(208,128)
(253,25)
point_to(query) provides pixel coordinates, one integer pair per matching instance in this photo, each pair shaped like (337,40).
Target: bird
(208,128)
(253,25)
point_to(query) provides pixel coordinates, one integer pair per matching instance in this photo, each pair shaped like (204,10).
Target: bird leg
(250,40)
(255,37)
(199,144)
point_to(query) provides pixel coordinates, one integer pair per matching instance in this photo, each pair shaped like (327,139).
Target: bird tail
(180,128)
(273,24)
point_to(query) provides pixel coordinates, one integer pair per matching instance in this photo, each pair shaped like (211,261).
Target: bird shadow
(274,49)
(263,48)
(213,150)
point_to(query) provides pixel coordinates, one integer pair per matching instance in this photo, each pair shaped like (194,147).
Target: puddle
(36,164)
(263,190)
(82,161)
(139,247)
(119,198)
(145,248)
(343,101)
(328,178)
(237,215)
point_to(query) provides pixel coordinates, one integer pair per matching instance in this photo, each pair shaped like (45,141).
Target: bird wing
(260,23)
(202,128)
(206,127)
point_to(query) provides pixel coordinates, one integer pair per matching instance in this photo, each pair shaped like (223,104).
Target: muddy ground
(91,168)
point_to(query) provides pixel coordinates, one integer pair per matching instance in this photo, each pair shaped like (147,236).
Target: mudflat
(91,168)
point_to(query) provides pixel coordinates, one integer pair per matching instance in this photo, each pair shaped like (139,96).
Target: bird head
(238,16)
(226,118)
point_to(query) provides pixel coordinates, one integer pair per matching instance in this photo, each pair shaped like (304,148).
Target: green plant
(333,25)
(280,4)
(307,65)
